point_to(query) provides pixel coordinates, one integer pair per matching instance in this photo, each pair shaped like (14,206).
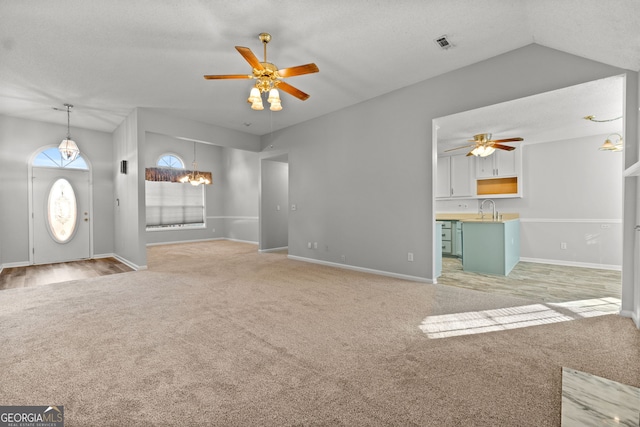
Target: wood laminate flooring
(545,282)
(37,275)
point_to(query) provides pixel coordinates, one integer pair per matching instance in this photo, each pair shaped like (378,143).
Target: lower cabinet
(451,238)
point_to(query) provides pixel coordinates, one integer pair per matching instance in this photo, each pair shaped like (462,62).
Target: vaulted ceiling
(108,57)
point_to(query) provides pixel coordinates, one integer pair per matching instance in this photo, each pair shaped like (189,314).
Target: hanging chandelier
(68,148)
(195,177)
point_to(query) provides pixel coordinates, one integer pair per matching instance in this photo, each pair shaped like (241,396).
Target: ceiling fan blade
(293,91)
(459,148)
(503,147)
(299,70)
(507,140)
(250,57)
(228,76)
(470,153)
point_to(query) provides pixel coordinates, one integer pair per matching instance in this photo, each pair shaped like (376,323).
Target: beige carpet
(231,337)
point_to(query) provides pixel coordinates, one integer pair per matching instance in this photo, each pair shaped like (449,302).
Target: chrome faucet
(493,207)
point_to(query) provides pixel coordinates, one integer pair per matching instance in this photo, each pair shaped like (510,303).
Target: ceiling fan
(485,146)
(268,77)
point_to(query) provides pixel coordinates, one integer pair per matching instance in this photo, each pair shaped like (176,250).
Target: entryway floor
(37,275)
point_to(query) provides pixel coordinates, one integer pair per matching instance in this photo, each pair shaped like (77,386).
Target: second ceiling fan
(484,146)
(268,77)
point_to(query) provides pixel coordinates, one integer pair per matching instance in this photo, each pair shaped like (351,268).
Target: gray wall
(20,139)
(362,177)
(241,196)
(571,190)
(129,240)
(274,199)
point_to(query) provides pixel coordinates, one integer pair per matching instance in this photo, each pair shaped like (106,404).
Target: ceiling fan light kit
(612,146)
(268,77)
(484,146)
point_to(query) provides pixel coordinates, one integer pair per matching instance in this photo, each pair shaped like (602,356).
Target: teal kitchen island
(489,246)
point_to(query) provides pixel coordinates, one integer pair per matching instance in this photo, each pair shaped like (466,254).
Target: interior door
(60,217)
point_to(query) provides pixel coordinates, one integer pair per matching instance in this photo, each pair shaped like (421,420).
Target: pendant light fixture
(194,177)
(612,146)
(68,148)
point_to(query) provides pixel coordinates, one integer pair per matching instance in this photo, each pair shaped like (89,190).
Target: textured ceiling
(540,118)
(108,57)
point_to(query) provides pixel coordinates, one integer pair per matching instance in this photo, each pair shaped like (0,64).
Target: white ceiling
(108,57)
(540,118)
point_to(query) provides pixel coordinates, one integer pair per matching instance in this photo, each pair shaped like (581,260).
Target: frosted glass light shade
(68,149)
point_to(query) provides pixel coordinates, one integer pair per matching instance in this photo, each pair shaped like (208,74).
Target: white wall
(362,177)
(20,139)
(571,190)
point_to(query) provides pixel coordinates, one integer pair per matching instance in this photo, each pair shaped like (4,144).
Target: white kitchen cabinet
(499,164)
(500,174)
(455,177)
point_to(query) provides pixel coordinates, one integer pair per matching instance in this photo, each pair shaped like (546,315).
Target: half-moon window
(62,210)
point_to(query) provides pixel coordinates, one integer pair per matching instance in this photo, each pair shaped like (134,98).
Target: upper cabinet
(455,177)
(500,164)
(500,174)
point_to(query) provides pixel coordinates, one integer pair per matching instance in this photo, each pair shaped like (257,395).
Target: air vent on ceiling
(443,42)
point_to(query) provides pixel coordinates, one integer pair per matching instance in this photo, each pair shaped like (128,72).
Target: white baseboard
(129,263)
(632,315)
(185,241)
(362,269)
(242,241)
(273,249)
(572,263)
(16,264)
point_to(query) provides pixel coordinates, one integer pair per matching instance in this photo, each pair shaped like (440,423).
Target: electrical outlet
(213,230)
(309,245)
(315,245)
(410,256)
(343,258)
(563,245)
(277,207)
(604,226)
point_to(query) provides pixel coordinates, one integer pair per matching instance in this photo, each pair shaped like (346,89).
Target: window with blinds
(174,205)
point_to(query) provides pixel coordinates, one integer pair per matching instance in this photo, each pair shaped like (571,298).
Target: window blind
(174,204)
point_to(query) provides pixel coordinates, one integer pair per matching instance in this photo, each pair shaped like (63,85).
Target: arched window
(169,160)
(51,158)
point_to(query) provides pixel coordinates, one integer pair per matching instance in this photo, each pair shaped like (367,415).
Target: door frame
(31,206)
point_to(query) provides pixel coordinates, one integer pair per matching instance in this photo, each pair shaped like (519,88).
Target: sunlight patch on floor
(478,322)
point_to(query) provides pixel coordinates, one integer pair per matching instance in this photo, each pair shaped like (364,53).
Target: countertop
(475,217)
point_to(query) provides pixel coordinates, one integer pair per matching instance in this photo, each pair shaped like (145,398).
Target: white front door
(60,212)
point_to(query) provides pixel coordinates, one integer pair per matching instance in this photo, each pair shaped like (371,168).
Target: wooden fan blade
(293,91)
(250,57)
(459,148)
(507,140)
(299,70)
(503,147)
(470,153)
(228,76)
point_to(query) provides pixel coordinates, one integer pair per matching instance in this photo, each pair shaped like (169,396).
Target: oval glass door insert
(62,210)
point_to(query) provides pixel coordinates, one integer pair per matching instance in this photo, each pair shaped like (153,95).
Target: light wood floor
(545,282)
(37,275)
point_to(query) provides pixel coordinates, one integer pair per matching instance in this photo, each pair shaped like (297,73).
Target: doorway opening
(570,207)
(274,204)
